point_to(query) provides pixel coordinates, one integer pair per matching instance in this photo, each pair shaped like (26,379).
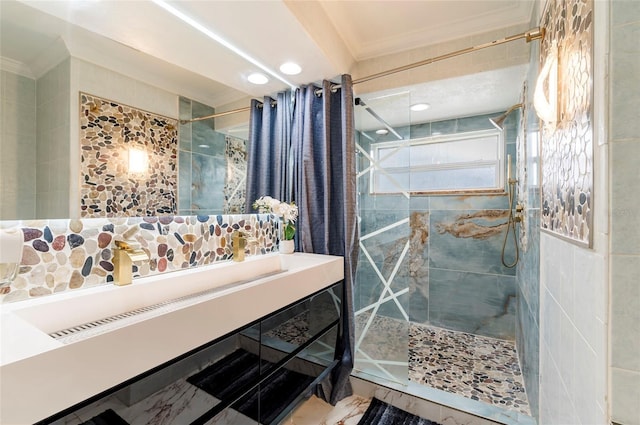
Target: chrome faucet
(125,254)
(239,242)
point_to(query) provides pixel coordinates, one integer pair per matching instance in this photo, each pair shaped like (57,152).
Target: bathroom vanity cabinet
(135,347)
(255,374)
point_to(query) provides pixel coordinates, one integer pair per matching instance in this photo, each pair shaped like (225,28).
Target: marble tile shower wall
(453,266)
(64,255)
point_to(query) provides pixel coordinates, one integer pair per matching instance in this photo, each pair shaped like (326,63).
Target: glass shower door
(382,280)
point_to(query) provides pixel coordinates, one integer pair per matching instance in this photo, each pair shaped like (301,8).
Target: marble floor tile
(178,403)
(317,412)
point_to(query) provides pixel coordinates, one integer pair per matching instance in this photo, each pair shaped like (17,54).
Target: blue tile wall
(454,272)
(481,304)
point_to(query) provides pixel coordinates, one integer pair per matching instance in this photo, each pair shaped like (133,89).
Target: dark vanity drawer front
(302,322)
(296,379)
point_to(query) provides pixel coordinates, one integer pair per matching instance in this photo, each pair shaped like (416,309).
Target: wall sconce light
(138,161)
(545,102)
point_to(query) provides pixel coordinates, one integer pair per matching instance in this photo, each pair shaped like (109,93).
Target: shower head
(498,122)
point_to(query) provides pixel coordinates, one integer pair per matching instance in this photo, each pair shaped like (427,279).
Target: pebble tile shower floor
(476,367)
(473,366)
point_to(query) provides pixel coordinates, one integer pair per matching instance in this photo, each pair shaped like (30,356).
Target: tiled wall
(108,188)
(235,192)
(53,170)
(456,279)
(567,154)
(573,284)
(64,255)
(99,81)
(625,236)
(18,135)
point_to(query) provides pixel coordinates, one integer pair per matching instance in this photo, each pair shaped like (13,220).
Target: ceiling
(376,28)
(326,38)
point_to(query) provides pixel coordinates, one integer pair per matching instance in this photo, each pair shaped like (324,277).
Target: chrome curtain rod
(533,34)
(222,114)
(219,114)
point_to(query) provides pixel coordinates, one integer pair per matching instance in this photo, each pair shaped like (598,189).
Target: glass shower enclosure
(383,274)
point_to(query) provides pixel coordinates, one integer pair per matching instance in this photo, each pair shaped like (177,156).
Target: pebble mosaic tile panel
(62,255)
(108,131)
(234,187)
(567,147)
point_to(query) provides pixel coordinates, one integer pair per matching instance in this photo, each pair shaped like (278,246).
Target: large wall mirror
(60,83)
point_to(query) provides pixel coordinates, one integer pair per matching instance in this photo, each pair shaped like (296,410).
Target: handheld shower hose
(511,225)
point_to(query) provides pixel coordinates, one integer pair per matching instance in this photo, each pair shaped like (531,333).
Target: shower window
(463,162)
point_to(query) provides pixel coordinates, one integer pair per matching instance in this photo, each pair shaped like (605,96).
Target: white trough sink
(60,373)
(71,309)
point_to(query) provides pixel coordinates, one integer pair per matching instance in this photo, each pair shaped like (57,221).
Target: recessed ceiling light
(204,146)
(290,68)
(420,107)
(258,78)
(382,131)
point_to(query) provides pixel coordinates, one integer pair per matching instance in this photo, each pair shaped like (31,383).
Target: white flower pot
(286,247)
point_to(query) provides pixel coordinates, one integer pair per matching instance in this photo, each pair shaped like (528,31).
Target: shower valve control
(519,211)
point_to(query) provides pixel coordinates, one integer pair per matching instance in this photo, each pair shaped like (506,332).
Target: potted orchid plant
(287,212)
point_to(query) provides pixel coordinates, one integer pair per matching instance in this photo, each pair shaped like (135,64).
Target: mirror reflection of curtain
(324,184)
(269,145)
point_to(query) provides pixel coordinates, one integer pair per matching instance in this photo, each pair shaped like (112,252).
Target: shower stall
(435,304)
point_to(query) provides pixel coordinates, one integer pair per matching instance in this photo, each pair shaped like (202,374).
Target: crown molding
(15,67)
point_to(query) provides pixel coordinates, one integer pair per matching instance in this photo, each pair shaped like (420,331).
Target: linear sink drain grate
(96,327)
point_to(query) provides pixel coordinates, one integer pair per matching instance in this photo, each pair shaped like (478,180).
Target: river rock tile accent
(234,187)
(567,147)
(107,189)
(473,366)
(61,255)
